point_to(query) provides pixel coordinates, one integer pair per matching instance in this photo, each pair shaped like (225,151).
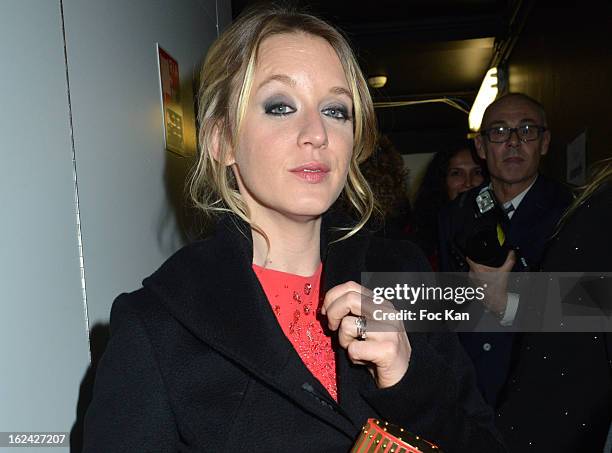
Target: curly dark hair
(433,193)
(385,173)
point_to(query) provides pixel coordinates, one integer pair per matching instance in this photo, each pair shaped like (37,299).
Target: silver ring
(362,324)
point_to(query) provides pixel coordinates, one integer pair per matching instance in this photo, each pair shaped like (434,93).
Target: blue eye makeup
(278,107)
(281,107)
(338,112)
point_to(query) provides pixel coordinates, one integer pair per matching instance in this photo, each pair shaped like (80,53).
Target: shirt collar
(516,201)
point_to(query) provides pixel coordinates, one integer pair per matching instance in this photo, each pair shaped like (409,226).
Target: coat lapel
(535,204)
(533,221)
(211,289)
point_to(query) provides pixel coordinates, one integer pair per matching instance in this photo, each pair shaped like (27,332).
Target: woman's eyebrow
(282,78)
(341,90)
(285,79)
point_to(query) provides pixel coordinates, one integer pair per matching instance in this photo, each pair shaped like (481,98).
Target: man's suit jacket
(198,362)
(529,229)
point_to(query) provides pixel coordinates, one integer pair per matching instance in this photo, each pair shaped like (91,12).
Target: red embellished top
(295,302)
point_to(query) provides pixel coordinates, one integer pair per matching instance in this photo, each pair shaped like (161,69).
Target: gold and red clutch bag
(383,437)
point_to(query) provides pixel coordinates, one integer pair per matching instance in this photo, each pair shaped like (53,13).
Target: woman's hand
(385,350)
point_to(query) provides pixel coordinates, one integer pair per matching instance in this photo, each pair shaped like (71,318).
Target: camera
(483,237)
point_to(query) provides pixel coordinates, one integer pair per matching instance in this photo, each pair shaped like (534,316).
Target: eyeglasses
(501,134)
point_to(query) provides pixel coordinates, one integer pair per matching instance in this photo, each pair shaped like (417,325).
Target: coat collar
(531,202)
(211,289)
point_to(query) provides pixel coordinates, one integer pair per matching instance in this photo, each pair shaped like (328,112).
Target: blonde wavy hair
(225,85)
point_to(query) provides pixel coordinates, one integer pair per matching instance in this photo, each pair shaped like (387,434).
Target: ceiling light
(486,95)
(378,81)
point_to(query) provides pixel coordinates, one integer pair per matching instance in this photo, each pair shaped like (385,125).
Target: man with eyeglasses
(534,381)
(513,138)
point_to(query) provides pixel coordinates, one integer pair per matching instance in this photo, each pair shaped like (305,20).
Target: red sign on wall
(170,84)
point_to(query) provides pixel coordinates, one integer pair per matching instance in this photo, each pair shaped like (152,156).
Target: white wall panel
(129,186)
(127,181)
(43,333)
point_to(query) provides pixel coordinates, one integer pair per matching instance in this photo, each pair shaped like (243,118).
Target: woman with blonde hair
(255,339)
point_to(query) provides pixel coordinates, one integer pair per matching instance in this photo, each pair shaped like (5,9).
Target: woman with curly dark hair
(450,173)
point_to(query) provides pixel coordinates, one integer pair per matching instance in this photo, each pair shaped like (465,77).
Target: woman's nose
(469,181)
(313,131)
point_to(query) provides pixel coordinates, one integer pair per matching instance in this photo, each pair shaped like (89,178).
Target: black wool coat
(572,388)
(198,363)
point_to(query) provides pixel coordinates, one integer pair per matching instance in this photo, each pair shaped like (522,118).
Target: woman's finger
(388,355)
(347,304)
(339,290)
(344,299)
(352,328)
(347,331)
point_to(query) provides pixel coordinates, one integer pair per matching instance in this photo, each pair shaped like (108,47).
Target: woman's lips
(313,172)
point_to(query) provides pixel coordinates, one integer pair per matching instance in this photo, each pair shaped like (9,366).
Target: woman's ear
(226,157)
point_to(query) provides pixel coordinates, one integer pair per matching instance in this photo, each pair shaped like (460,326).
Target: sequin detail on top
(295,302)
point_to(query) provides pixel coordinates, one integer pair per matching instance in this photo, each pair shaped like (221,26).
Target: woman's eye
(454,173)
(279,109)
(339,113)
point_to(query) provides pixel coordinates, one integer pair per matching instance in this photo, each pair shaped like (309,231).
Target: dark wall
(563,58)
